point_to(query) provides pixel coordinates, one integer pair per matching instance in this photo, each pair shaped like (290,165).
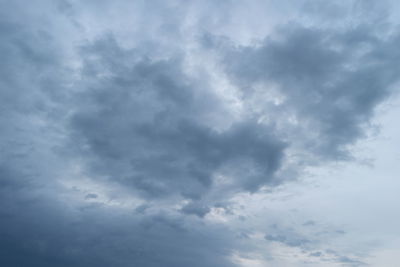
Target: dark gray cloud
(38,225)
(196,209)
(327,80)
(91,196)
(147,125)
(46,232)
(79,102)
(31,79)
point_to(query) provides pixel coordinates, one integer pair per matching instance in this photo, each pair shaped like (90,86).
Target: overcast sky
(226,133)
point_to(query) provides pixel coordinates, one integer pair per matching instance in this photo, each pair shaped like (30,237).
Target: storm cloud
(326,79)
(157,134)
(150,126)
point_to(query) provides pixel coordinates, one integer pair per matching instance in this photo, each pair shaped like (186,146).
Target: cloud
(151,130)
(148,125)
(320,84)
(350,262)
(126,136)
(196,209)
(91,196)
(289,241)
(48,233)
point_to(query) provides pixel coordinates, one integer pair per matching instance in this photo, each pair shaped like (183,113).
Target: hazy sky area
(175,133)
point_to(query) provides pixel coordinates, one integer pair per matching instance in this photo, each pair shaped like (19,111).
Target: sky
(231,133)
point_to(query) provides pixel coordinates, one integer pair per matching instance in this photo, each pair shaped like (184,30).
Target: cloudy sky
(229,133)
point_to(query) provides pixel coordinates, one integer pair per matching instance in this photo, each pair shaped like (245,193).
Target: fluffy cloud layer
(326,79)
(150,126)
(131,130)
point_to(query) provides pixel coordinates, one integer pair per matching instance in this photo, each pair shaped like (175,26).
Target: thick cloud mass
(130,131)
(48,233)
(147,125)
(329,80)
